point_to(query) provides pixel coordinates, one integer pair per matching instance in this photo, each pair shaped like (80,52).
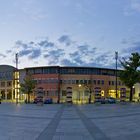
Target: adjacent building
(7,83)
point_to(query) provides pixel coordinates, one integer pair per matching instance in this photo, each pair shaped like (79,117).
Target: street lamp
(89,96)
(16,79)
(116,58)
(79,91)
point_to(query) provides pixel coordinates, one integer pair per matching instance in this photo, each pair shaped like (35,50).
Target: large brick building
(83,83)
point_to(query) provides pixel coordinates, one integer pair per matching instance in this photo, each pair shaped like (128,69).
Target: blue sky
(68,32)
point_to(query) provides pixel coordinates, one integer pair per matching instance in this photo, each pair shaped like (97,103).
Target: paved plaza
(70,122)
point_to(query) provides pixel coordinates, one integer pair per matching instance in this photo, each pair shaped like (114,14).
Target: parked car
(109,100)
(48,101)
(38,99)
(103,101)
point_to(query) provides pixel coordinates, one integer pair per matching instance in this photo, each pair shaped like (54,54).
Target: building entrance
(80,97)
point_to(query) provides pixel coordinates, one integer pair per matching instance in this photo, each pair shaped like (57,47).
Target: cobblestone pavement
(70,122)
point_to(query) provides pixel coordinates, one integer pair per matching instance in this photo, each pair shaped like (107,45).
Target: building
(7,82)
(136,96)
(79,84)
(85,82)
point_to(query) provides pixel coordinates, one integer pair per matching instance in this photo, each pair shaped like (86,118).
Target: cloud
(86,49)
(20,44)
(9,51)
(47,52)
(45,43)
(124,41)
(132,8)
(2,55)
(29,49)
(67,62)
(35,54)
(54,56)
(135,47)
(31,10)
(65,39)
(135,5)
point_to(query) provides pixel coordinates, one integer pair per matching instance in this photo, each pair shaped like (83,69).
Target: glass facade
(71,70)
(87,71)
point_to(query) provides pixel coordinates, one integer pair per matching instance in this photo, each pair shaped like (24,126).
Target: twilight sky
(68,32)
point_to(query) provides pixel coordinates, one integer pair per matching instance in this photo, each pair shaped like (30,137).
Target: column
(5,94)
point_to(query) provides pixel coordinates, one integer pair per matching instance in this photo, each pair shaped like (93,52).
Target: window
(2,84)
(102,82)
(71,71)
(35,80)
(113,83)
(81,81)
(47,93)
(89,81)
(30,71)
(39,81)
(9,83)
(45,71)
(53,70)
(38,71)
(85,81)
(69,81)
(109,82)
(60,81)
(77,81)
(50,70)
(73,82)
(98,82)
(63,92)
(94,82)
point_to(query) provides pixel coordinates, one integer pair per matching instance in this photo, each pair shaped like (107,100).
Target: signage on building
(97,91)
(40,95)
(69,95)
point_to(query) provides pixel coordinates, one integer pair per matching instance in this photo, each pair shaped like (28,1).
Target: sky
(68,32)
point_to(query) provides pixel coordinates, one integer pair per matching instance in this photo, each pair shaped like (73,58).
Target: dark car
(103,101)
(48,101)
(111,100)
(38,99)
(108,100)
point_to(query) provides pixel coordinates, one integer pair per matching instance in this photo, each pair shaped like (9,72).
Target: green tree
(131,73)
(27,86)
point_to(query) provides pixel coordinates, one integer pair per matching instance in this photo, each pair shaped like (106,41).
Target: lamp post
(79,92)
(16,78)
(116,58)
(90,96)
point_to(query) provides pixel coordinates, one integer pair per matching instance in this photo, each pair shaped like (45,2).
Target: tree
(131,73)
(27,86)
